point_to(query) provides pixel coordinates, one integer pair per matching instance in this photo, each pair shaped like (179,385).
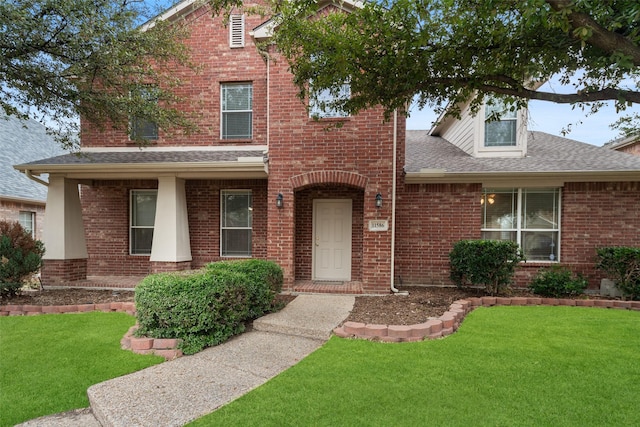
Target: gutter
(436,176)
(27,172)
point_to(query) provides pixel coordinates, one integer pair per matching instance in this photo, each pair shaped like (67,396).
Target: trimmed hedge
(622,265)
(491,263)
(207,307)
(557,282)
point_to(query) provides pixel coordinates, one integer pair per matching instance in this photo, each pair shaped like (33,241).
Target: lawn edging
(450,321)
(32,310)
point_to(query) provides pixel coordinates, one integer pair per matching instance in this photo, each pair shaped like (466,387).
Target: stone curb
(30,310)
(450,321)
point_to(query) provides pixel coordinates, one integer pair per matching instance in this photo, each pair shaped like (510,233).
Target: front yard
(506,366)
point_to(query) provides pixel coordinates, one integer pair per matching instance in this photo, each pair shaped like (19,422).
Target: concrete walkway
(177,392)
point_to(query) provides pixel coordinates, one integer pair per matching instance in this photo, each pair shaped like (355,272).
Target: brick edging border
(450,321)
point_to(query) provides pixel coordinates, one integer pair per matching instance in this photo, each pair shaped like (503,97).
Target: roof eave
(439,176)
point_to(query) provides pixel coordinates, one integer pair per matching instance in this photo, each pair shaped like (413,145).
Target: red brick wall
(632,149)
(304,228)
(431,218)
(203,207)
(218,63)
(57,272)
(10,211)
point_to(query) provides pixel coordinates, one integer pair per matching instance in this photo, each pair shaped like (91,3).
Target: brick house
(356,209)
(630,145)
(23,199)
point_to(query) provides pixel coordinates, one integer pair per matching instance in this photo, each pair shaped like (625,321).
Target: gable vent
(236,31)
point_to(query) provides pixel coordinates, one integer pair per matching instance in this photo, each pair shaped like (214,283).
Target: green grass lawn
(506,366)
(47,362)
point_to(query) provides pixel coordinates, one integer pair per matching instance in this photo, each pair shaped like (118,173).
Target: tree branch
(601,38)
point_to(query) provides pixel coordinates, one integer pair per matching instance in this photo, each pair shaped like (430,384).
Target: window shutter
(236,31)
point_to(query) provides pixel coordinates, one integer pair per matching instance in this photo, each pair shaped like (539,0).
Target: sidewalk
(177,392)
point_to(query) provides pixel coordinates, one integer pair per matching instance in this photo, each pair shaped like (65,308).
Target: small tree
(622,265)
(20,256)
(491,263)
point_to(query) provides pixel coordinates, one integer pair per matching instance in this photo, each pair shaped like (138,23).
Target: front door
(332,239)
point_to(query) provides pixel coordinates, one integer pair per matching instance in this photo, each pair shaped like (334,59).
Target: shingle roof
(20,142)
(545,153)
(147,157)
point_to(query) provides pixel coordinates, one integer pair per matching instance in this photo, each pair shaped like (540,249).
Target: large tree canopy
(63,58)
(444,52)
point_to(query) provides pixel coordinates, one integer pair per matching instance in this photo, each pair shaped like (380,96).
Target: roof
(226,162)
(23,141)
(434,159)
(623,142)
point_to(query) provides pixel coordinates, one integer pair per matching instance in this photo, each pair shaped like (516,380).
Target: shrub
(208,307)
(20,257)
(622,265)
(556,282)
(491,263)
(263,282)
(202,309)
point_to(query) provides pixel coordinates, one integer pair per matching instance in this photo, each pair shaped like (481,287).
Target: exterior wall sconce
(378,200)
(279,200)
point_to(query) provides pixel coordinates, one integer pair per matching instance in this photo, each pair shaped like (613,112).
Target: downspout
(393,202)
(268,98)
(27,172)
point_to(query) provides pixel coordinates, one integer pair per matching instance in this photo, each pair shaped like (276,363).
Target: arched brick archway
(336,177)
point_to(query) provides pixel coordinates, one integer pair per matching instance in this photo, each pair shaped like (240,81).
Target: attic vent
(236,31)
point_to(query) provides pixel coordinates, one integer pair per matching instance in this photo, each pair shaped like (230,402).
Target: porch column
(65,256)
(171,247)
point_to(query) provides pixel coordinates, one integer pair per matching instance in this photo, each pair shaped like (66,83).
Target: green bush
(556,282)
(490,263)
(263,281)
(207,307)
(622,265)
(20,257)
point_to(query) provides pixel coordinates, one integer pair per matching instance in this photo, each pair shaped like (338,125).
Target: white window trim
(518,230)
(222,194)
(518,150)
(131,226)
(223,111)
(32,218)
(236,31)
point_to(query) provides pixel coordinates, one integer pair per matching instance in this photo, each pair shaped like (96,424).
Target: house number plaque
(378,225)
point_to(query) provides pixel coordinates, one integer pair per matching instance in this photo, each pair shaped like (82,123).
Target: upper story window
(236,222)
(530,217)
(27,220)
(142,221)
(320,103)
(237,110)
(500,124)
(141,127)
(236,31)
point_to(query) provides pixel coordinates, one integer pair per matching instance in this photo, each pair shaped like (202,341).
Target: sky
(553,118)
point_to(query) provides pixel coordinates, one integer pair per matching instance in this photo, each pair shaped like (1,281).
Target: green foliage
(64,58)
(441,53)
(622,265)
(491,263)
(263,281)
(20,257)
(207,307)
(557,281)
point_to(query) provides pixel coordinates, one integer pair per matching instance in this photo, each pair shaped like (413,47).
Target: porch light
(279,200)
(378,200)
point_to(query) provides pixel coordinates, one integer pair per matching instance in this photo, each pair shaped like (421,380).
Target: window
(143,216)
(500,125)
(27,220)
(236,222)
(236,31)
(142,128)
(237,102)
(530,217)
(320,103)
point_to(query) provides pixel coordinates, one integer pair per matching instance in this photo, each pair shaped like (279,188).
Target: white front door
(332,239)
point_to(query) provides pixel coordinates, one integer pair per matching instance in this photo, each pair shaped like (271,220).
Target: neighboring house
(630,145)
(23,199)
(355,209)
